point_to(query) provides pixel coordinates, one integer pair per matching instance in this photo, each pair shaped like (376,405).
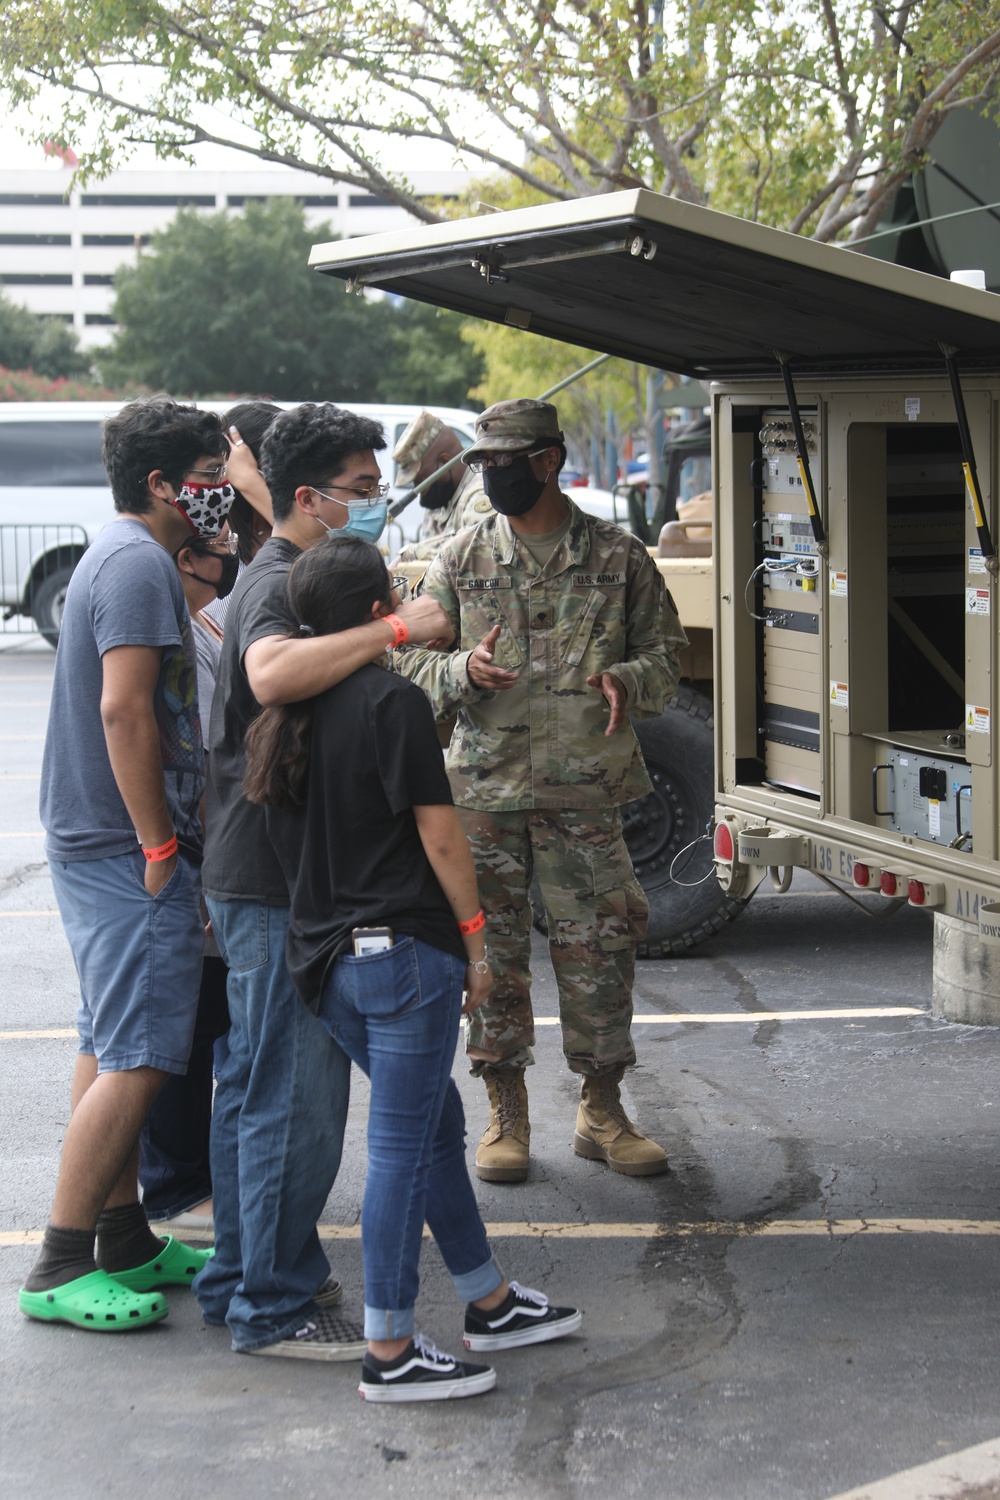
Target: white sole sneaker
(557,1328)
(423,1372)
(327,1336)
(437,1390)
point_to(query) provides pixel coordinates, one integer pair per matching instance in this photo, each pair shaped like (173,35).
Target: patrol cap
(409,452)
(508,426)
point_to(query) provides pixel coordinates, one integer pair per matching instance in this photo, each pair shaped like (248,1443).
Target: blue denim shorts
(138,959)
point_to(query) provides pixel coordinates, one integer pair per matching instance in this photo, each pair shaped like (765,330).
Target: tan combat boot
(503,1150)
(604,1131)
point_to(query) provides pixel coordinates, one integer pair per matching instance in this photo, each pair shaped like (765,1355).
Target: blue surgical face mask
(363,518)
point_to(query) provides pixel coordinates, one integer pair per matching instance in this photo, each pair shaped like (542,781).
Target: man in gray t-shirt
(122,778)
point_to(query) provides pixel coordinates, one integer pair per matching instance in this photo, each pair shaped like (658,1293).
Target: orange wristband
(399,626)
(165,851)
(476,925)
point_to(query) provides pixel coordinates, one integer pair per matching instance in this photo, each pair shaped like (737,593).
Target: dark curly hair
(156,434)
(311,446)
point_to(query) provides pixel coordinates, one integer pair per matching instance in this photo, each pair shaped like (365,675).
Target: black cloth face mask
(437,495)
(513,490)
(227,578)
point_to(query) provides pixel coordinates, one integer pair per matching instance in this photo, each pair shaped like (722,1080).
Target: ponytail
(277,751)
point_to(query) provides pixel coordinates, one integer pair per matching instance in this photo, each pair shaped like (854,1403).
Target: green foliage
(227,303)
(806,114)
(46,346)
(432,362)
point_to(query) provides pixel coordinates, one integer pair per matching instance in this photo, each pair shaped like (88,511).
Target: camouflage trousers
(596,913)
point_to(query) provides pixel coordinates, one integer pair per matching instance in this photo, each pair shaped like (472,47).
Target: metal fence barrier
(36,563)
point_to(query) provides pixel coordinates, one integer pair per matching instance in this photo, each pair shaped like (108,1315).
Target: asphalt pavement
(805,1304)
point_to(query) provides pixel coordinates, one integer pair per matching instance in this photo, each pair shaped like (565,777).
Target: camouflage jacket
(598,605)
(466,507)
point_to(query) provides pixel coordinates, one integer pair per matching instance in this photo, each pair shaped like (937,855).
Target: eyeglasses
(219,472)
(371,494)
(401,587)
(502,460)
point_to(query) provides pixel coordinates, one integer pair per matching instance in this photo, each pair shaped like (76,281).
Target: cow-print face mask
(205,507)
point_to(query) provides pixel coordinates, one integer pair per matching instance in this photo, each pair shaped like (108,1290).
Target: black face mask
(513,490)
(437,495)
(228,577)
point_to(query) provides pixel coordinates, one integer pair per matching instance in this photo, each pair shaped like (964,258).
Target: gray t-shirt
(125,591)
(208,649)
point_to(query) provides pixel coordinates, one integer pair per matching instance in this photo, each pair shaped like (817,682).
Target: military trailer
(855,422)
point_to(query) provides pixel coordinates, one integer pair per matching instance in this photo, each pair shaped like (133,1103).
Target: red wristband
(165,851)
(399,626)
(476,925)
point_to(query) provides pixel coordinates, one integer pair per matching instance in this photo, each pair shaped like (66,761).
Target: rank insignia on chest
(598,580)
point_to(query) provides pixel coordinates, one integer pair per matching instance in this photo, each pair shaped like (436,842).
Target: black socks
(124,1239)
(66,1254)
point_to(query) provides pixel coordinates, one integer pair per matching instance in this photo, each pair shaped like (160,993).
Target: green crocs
(176,1265)
(96,1302)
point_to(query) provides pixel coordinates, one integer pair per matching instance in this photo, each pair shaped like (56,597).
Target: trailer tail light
(925,892)
(722,843)
(888,883)
(862,875)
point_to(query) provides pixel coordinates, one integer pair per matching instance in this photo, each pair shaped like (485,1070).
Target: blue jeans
(396,1015)
(277,1135)
(174,1168)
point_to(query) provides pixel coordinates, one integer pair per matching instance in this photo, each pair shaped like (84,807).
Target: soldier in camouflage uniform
(425,445)
(563,629)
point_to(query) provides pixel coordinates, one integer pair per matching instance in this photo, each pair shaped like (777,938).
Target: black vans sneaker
(422,1373)
(524,1317)
(329,1334)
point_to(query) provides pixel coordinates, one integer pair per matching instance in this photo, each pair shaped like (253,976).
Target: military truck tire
(678,751)
(47,600)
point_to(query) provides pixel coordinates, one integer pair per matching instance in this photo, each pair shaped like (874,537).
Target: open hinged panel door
(680,288)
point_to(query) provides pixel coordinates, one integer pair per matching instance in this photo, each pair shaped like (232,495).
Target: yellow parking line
(40,1035)
(673,1017)
(783,1228)
(867,1012)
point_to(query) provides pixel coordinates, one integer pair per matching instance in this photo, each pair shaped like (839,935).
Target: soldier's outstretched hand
(613,690)
(482,672)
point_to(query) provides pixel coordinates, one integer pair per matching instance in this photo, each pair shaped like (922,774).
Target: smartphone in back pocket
(371,940)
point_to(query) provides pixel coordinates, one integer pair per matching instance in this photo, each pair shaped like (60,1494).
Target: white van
(54,494)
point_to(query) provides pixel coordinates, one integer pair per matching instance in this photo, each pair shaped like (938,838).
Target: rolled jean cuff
(389,1323)
(472,1285)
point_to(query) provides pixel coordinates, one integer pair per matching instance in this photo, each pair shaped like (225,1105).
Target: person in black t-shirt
(386,934)
(281,1100)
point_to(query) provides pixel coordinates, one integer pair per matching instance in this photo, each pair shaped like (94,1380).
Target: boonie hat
(408,453)
(508,426)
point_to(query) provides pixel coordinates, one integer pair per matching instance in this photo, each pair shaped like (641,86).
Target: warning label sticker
(977,562)
(977,601)
(977,720)
(912,408)
(838,585)
(934,817)
(838,694)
